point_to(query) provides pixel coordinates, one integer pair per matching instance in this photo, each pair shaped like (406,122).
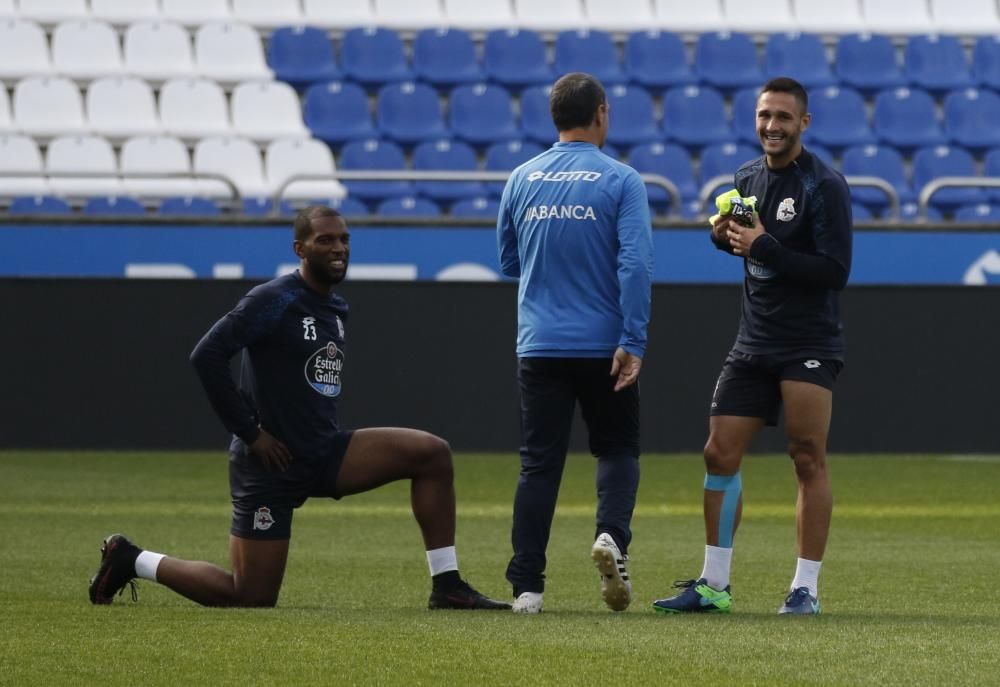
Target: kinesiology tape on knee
(731,486)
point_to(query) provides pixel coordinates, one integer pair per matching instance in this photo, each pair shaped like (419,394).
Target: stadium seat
(551,15)
(982,213)
(189,207)
(592,52)
(286,158)
(839,118)
(408,206)
(633,120)
(68,155)
(476,208)
(347,206)
(39,205)
(194,108)
(868,63)
(445,155)
(372,154)
(823,153)
(936,63)
(158,51)
(123,206)
(860,213)
(695,116)
(262,206)
(946,161)
(20,155)
(143,157)
(828,17)
(445,57)
(684,15)
(373,56)
(86,49)
(302,55)
(723,160)
(24,50)
(48,106)
(991,168)
(536,116)
(481,114)
(337,111)
(478,14)
(408,14)
(884,162)
(657,60)
(896,16)
(906,118)
(195,12)
(668,160)
(54,11)
(963,17)
(801,56)
(343,14)
(6,119)
(230,53)
(124,12)
(744,118)
(266,110)
(505,157)
(267,14)
(516,58)
(986,62)
(234,158)
(119,107)
(758,16)
(727,60)
(410,112)
(910,213)
(971,119)
(619,15)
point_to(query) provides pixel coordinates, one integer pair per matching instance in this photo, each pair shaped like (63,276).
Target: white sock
(442,560)
(717,562)
(807,575)
(147,563)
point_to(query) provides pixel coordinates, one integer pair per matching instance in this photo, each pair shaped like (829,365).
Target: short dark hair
(574,100)
(305,217)
(784,84)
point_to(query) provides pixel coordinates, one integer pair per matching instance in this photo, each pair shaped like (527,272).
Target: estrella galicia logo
(323,370)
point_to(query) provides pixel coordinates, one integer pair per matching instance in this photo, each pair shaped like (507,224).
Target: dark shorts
(263,501)
(750,385)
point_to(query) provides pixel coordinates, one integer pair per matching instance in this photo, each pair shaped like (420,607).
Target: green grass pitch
(909,586)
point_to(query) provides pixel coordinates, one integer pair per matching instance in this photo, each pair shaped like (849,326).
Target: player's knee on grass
(808,455)
(435,455)
(719,460)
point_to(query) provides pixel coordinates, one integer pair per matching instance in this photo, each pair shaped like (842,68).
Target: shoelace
(684,584)
(134,588)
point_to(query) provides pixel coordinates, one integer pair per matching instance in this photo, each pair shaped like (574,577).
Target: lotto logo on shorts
(812,364)
(262,519)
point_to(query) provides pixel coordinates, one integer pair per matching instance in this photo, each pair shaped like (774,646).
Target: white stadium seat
(86,49)
(268,14)
(195,12)
(552,15)
(828,17)
(24,50)
(479,14)
(145,155)
(619,15)
(120,107)
(158,50)
(684,15)
(288,157)
(896,16)
(237,159)
(7,8)
(414,14)
(47,106)
(20,155)
(121,12)
(343,14)
(194,108)
(88,154)
(759,16)
(266,110)
(6,122)
(53,11)
(229,53)
(965,16)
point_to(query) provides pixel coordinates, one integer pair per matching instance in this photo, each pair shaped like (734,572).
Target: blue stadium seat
(868,63)
(189,207)
(744,108)
(723,160)
(946,161)
(727,60)
(504,157)
(482,114)
(991,168)
(410,112)
(446,57)
(860,213)
(839,118)
(906,118)
(986,61)
(261,206)
(936,63)
(516,58)
(668,160)
(445,155)
(657,60)
(800,56)
(113,205)
(972,118)
(373,154)
(536,116)
(478,208)
(910,213)
(408,206)
(373,56)
(590,51)
(884,162)
(632,116)
(823,153)
(695,116)
(337,111)
(612,151)
(983,213)
(302,55)
(38,205)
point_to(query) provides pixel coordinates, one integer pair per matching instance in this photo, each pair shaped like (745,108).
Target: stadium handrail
(935,185)
(233,191)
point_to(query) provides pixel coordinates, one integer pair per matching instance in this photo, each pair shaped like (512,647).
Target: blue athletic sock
(731,486)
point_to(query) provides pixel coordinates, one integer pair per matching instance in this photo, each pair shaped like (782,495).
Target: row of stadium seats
(890,16)
(231,52)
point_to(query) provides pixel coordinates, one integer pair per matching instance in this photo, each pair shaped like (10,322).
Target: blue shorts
(263,500)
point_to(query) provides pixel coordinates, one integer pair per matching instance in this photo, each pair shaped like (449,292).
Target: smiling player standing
(789,349)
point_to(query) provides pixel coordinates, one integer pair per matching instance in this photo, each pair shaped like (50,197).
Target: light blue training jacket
(574,228)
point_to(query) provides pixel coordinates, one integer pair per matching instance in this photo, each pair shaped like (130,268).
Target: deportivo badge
(786,211)
(262,519)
